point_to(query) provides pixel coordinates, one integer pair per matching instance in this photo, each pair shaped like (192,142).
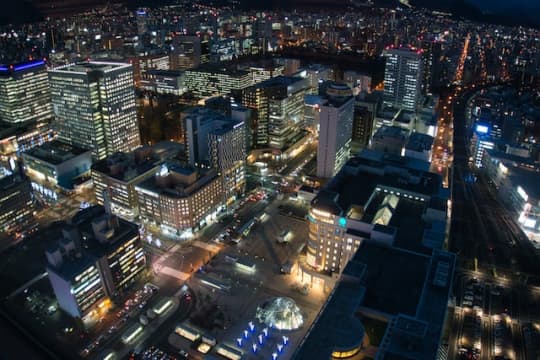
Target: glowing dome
(280,313)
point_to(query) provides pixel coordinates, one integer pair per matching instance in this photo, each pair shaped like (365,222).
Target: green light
(342,222)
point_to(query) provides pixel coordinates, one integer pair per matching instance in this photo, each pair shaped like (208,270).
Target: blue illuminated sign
(342,222)
(29,66)
(482,129)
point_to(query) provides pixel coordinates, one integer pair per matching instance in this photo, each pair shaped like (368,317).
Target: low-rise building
(404,292)
(419,146)
(390,139)
(180,199)
(116,176)
(57,163)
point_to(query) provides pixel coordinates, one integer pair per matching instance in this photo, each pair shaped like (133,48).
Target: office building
(403,78)
(404,292)
(515,179)
(115,177)
(16,202)
(142,64)
(262,72)
(335,130)
(419,146)
(481,141)
(24,92)
(358,82)
(386,198)
(366,106)
(220,142)
(212,80)
(227,148)
(180,199)
(97,259)
(316,74)
(57,164)
(94,107)
(390,139)
(277,104)
(18,138)
(163,81)
(186,52)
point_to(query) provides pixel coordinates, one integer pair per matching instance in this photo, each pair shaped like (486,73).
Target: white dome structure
(281,313)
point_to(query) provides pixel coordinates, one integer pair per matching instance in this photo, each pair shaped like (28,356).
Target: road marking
(174,273)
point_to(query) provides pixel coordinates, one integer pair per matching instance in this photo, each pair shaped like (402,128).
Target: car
(183,354)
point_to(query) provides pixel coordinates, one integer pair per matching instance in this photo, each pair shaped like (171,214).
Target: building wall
(95,110)
(180,213)
(334,138)
(16,206)
(403,78)
(24,94)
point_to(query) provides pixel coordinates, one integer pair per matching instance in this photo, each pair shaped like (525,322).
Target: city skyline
(200,180)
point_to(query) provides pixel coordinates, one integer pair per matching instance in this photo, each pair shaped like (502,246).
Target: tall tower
(94,107)
(403,78)
(335,130)
(24,92)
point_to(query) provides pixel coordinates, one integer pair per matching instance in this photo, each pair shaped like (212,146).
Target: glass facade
(24,93)
(94,107)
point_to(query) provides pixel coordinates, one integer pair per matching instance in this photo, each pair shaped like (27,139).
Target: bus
(284,236)
(246,228)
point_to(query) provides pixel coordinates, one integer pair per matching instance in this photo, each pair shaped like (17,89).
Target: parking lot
(490,322)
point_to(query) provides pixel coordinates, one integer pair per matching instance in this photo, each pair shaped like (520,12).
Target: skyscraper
(94,106)
(24,92)
(278,103)
(335,131)
(403,78)
(219,141)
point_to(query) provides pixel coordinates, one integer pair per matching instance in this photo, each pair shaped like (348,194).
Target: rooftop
(395,132)
(218,68)
(55,152)
(128,166)
(373,169)
(419,142)
(411,288)
(86,67)
(337,326)
(394,278)
(178,180)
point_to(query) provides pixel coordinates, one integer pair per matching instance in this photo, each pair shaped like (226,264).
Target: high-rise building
(94,107)
(366,107)
(180,199)
(278,105)
(185,52)
(227,147)
(431,52)
(97,259)
(16,203)
(211,80)
(24,92)
(219,141)
(403,77)
(335,119)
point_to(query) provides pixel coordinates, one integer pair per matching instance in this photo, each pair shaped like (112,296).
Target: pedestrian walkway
(208,247)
